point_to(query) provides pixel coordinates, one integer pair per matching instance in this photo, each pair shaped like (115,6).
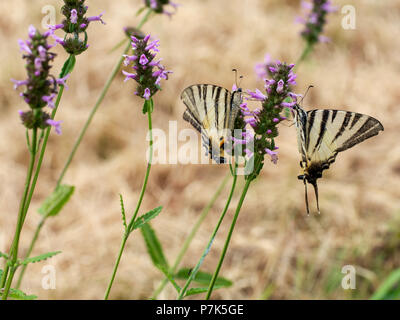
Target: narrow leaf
(202,277)
(193,291)
(40,258)
(19,295)
(123,211)
(140,11)
(142,220)
(3,255)
(169,277)
(390,288)
(146,106)
(53,204)
(68,66)
(153,246)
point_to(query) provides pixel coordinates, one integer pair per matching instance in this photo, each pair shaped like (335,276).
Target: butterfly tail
(316,194)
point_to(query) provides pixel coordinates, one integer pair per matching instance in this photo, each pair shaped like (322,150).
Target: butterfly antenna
(236,73)
(305,192)
(316,194)
(309,87)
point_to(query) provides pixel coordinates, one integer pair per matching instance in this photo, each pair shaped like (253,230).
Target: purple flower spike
(315,20)
(75,24)
(55,124)
(148,72)
(41,86)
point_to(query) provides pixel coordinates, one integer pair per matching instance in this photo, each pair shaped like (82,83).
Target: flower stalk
(182,293)
(148,104)
(191,235)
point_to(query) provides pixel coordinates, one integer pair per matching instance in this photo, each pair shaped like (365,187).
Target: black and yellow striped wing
(329,132)
(323,133)
(211,110)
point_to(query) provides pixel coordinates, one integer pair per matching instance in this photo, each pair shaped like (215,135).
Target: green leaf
(202,278)
(142,220)
(68,66)
(123,212)
(53,204)
(153,246)
(169,277)
(19,295)
(3,255)
(193,291)
(148,105)
(40,258)
(390,288)
(140,11)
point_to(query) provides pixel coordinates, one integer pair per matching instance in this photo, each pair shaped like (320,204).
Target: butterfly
(212,110)
(322,134)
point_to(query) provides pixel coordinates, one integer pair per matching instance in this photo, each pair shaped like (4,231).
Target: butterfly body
(323,133)
(212,111)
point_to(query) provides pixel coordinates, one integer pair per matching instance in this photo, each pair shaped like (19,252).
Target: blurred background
(277,251)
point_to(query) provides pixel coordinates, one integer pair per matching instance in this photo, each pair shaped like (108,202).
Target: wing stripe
(325,116)
(216,105)
(191,96)
(357,117)
(345,122)
(227,111)
(310,125)
(188,116)
(370,128)
(334,113)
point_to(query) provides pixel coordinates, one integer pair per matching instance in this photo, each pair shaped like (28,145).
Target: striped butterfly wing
(322,134)
(210,110)
(329,132)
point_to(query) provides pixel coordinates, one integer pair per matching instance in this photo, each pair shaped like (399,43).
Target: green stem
(33,242)
(307,50)
(207,249)
(191,235)
(13,256)
(42,152)
(121,250)
(128,230)
(221,259)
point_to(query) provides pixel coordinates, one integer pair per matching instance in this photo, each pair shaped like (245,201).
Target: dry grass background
(276,250)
